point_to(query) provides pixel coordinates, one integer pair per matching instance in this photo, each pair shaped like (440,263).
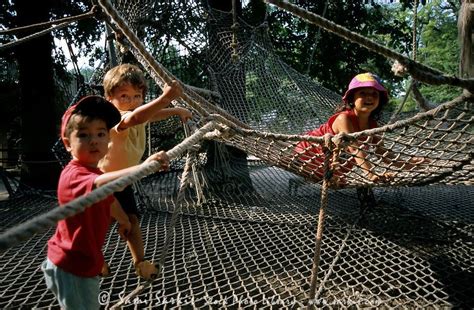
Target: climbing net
(267,113)
(239,248)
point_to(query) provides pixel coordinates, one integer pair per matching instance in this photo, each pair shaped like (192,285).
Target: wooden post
(465,30)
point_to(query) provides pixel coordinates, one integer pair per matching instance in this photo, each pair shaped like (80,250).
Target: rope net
(247,240)
(271,102)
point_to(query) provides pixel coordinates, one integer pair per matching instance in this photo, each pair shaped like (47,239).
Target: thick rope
(322,216)
(419,71)
(25,230)
(353,136)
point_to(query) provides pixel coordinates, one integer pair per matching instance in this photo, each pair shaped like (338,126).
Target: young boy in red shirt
(75,260)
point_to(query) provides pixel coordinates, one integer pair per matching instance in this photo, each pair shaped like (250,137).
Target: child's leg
(145,269)
(135,240)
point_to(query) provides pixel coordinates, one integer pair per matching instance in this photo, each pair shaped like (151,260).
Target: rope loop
(327,149)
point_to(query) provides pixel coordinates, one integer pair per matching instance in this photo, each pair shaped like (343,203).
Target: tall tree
(336,63)
(37,69)
(37,99)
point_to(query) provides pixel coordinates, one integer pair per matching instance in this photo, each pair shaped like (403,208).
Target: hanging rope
(414,32)
(316,40)
(413,56)
(234,28)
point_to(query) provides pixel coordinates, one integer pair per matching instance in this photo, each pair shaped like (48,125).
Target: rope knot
(399,69)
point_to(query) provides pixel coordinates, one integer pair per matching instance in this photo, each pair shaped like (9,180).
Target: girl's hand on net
(417,163)
(420,160)
(386,177)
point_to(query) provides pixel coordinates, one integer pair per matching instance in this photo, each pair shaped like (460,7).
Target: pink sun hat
(365,80)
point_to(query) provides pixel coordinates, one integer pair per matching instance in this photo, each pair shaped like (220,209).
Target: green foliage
(438,47)
(336,60)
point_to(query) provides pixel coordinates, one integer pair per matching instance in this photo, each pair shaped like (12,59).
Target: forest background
(35,76)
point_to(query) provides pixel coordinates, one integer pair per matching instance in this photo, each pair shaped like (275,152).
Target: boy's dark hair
(92,107)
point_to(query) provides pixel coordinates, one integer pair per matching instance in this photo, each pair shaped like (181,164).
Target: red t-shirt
(76,246)
(308,150)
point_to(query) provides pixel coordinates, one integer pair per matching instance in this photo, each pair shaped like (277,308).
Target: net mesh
(407,252)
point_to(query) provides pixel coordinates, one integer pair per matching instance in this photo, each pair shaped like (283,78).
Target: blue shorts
(72,292)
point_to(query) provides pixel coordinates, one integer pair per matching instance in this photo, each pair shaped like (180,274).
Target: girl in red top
(360,110)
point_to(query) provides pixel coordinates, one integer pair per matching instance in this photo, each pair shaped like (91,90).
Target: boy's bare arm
(184,114)
(145,112)
(107,177)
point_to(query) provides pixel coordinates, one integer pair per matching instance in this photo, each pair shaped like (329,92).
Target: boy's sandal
(105,272)
(146,270)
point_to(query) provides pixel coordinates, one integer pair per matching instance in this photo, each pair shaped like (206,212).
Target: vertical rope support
(176,212)
(414,52)
(179,201)
(322,214)
(234,27)
(192,157)
(415,25)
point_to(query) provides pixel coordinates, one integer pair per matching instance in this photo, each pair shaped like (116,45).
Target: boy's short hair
(93,107)
(123,74)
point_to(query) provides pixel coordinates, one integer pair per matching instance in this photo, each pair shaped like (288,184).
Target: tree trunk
(226,165)
(39,118)
(465,29)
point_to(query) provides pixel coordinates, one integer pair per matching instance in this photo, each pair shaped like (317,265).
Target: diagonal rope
(418,70)
(69,19)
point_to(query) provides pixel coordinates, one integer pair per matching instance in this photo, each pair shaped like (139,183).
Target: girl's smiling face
(366,99)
